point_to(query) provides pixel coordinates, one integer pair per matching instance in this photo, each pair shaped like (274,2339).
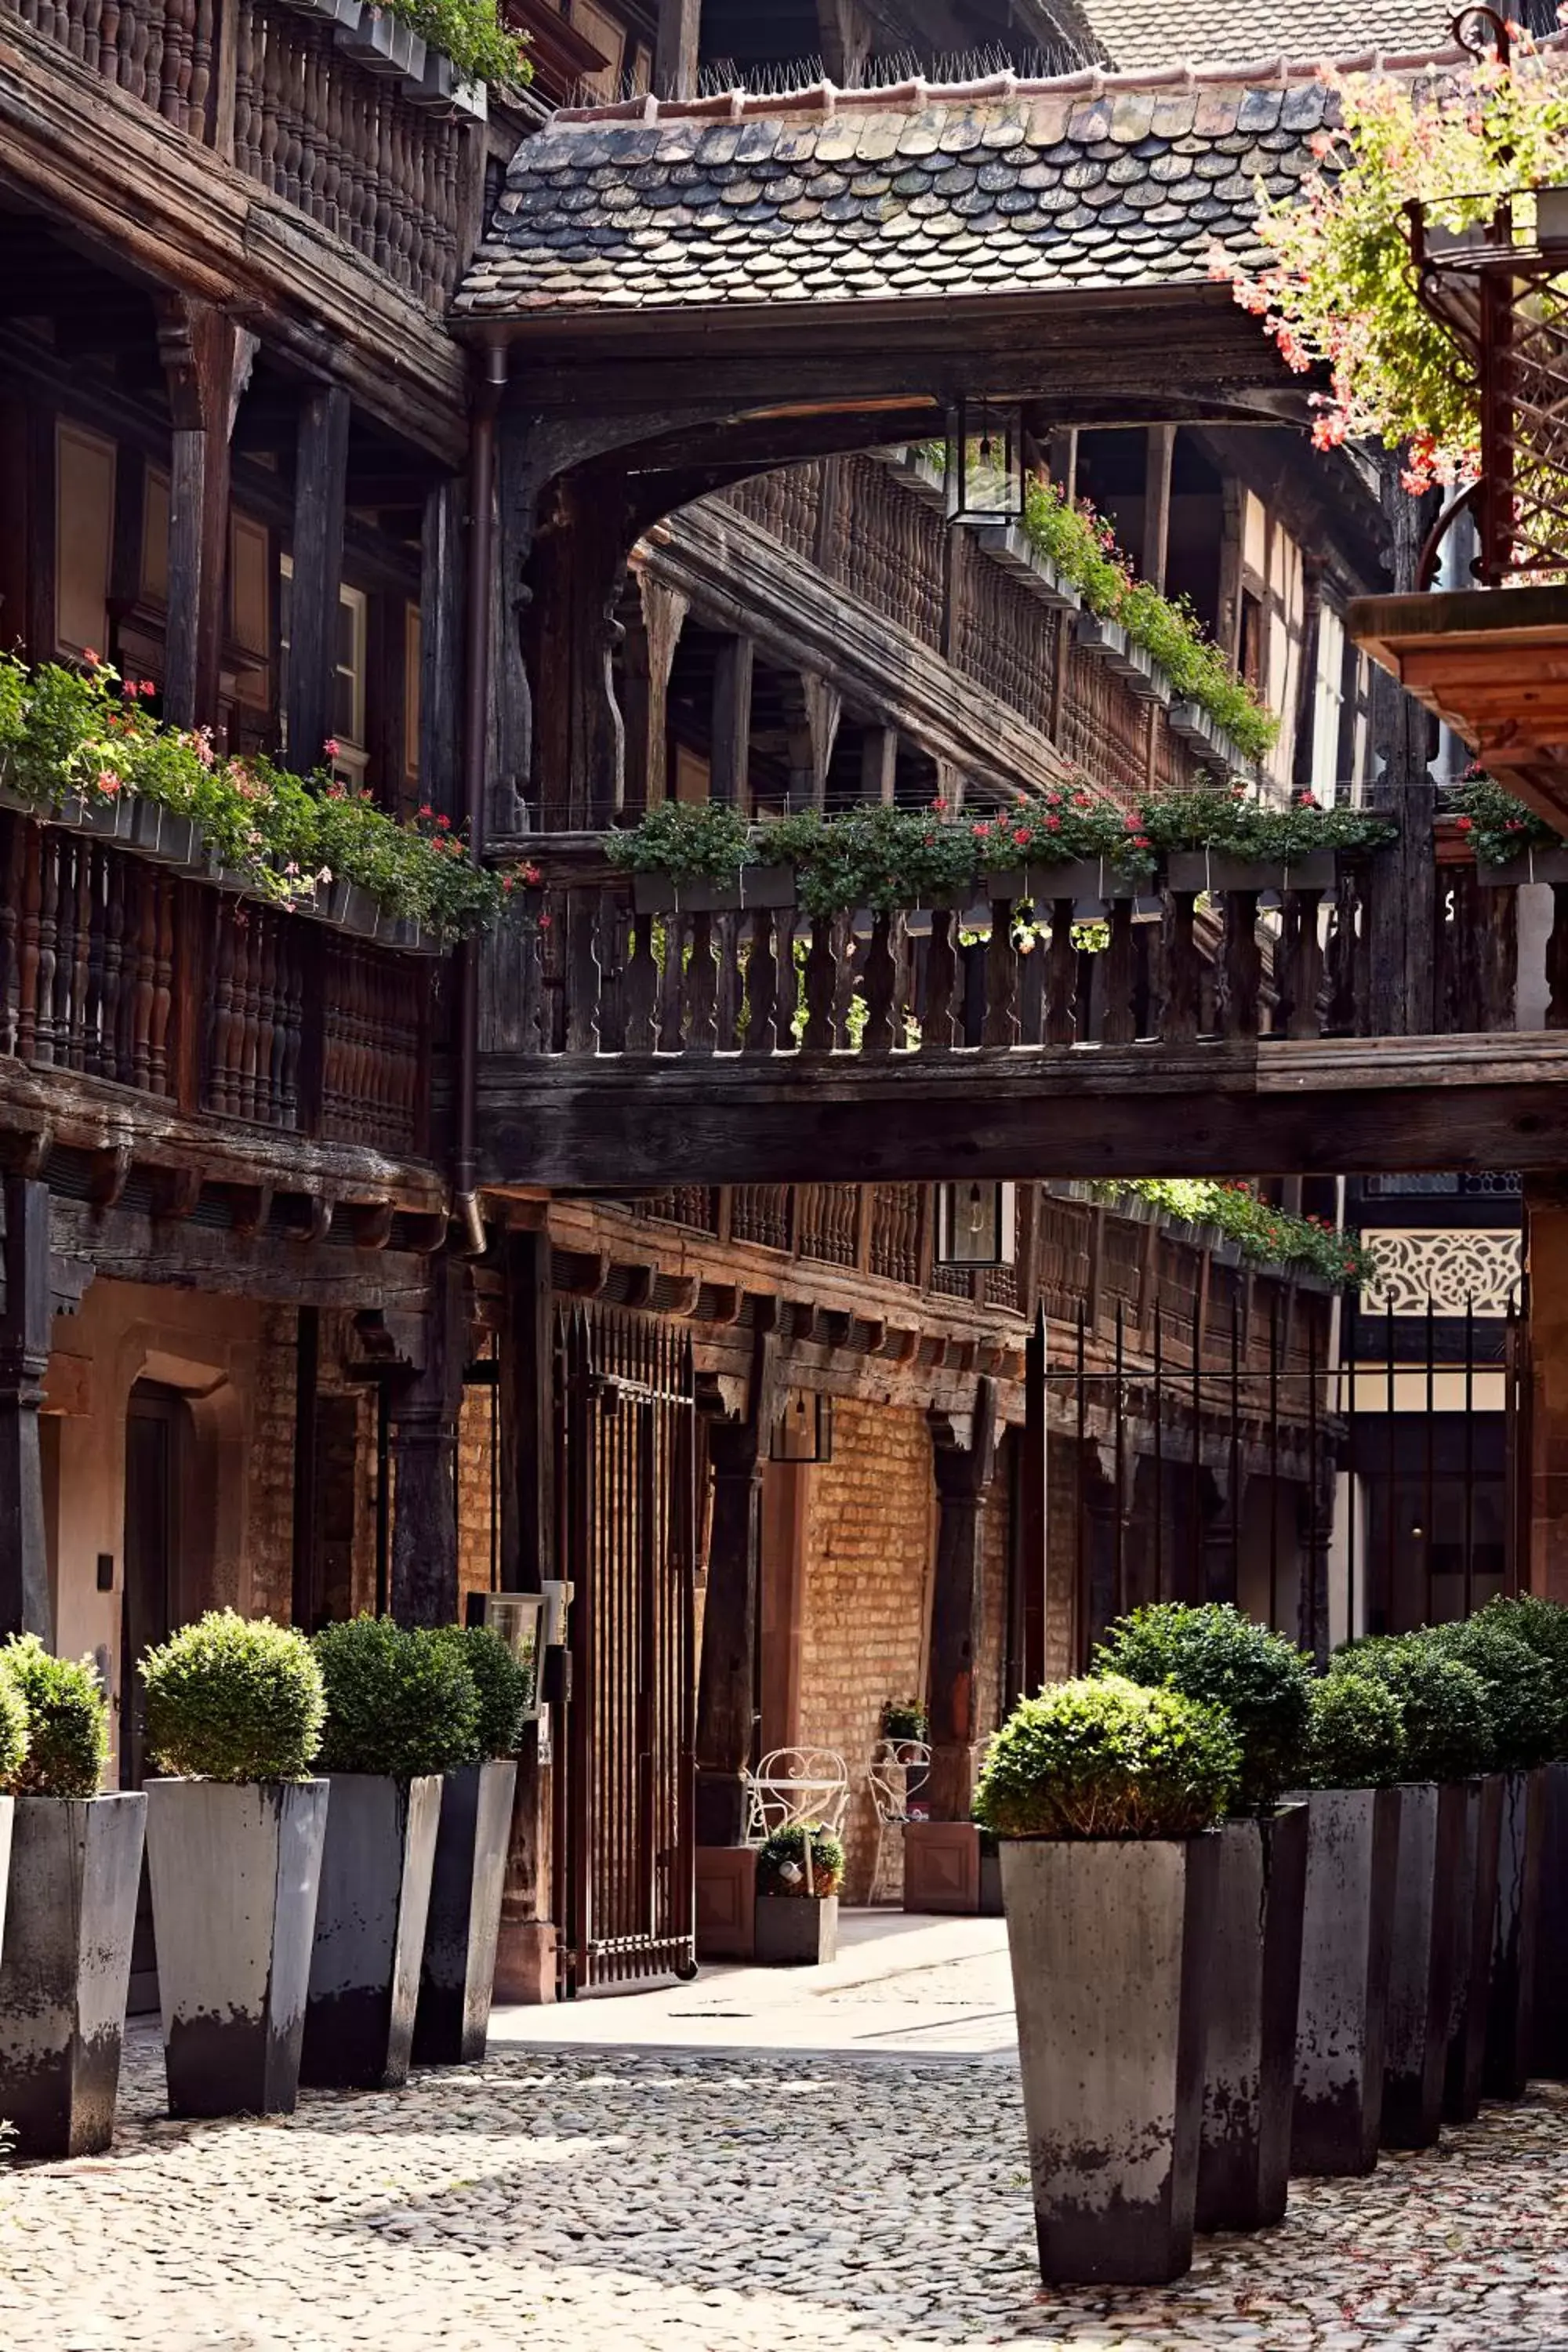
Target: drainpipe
(490,376)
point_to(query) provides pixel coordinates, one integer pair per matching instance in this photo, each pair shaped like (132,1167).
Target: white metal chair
(897,1773)
(796,1784)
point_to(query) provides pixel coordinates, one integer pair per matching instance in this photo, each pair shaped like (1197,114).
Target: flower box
(432,87)
(163,833)
(1529,865)
(404,934)
(1191,725)
(1084,879)
(1010,545)
(1104,638)
(382,45)
(470,97)
(757,887)
(11,796)
(109,816)
(335,12)
(928,481)
(1212,869)
(351,908)
(210,868)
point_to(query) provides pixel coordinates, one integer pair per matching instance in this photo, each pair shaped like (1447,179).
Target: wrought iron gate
(626,1420)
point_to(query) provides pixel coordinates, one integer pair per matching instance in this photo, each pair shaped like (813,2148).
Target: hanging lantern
(984,462)
(976,1223)
(804,1430)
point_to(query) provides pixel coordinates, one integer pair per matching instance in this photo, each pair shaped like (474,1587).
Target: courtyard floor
(758,2161)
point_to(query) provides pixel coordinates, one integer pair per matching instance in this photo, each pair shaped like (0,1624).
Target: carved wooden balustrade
(121,969)
(396,180)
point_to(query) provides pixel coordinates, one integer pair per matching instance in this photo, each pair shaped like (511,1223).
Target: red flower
(330,747)
(1053,824)
(1465,824)
(442,824)
(91,659)
(1021,836)
(426,811)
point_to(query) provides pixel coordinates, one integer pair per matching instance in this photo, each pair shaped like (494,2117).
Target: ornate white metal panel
(1465,1266)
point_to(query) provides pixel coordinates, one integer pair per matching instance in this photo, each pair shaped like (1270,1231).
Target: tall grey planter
(1549,2043)
(1254,1986)
(234,1872)
(1509,2018)
(1473,1939)
(1431,1844)
(1110,1947)
(456,1982)
(76,1868)
(369,1931)
(1352,1854)
(8,1815)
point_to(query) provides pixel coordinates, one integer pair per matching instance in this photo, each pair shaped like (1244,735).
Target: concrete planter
(456,1982)
(1254,1987)
(1475,1894)
(1109,1944)
(726,1903)
(76,1867)
(369,1931)
(1549,2044)
(1431,1849)
(1511,2011)
(234,1874)
(1352,1850)
(796,1930)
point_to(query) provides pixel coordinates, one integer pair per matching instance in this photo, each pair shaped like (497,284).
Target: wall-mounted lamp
(804,1430)
(976,1224)
(984,462)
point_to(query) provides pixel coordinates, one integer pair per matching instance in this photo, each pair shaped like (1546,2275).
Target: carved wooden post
(726,1690)
(424,1410)
(963,1477)
(206,364)
(321,470)
(25,1332)
(650,656)
(525,1962)
(730,775)
(880,765)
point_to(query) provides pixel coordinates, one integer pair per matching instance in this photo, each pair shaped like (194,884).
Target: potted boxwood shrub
(1356,1755)
(1439,1897)
(12,1751)
(457,1977)
(1264,1684)
(1522,1700)
(402,1709)
(1542,1626)
(799,1872)
(1101,1793)
(64,1958)
(234,1712)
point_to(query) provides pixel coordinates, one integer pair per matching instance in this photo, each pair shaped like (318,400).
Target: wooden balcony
(1169,1035)
(138,1004)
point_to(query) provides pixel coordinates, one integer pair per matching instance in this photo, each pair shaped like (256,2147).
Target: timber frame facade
(327,1287)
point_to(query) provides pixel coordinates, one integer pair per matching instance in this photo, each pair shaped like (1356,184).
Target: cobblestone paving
(573,2201)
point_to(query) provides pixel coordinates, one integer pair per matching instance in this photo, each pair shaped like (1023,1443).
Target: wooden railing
(397,181)
(121,969)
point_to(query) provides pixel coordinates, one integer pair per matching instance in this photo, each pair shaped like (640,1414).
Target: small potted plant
(1103,1793)
(234,1711)
(1356,1755)
(76,1867)
(903,1719)
(402,1709)
(799,1872)
(1443,1903)
(1263,1682)
(457,1977)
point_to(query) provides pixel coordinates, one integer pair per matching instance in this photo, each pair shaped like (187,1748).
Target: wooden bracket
(593,1281)
(688,1290)
(24,1152)
(252,1208)
(727,1297)
(839,1327)
(428,1233)
(110,1174)
(765,1314)
(315,1222)
(641,1282)
(906,1344)
(175,1193)
(372,1225)
(876,1335)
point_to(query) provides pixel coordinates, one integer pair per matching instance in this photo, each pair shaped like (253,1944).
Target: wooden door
(149,1611)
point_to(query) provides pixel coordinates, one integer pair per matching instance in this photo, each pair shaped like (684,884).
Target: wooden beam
(678,53)
(1160,454)
(206,361)
(880,765)
(321,465)
(964,1477)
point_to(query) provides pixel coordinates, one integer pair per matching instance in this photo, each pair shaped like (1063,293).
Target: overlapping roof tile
(1096,181)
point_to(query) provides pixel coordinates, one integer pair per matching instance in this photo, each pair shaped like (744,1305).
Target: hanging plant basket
(1211,870)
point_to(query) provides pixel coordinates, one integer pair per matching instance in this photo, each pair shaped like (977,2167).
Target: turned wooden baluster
(285,1039)
(174,73)
(405,137)
(220,1052)
(701,989)
(761,987)
(162,1008)
(641,989)
(1181,971)
(28,948)
(382,213)
(1120,1025)
(110,18)
(136,56)
(268,54)
(67,850)
(116,1047)
(822,976)
(356,204)
(246,99)
(142,935)
(201,38)
(331,168)
(272,927)
(1241,966)
(1300,964)
(90,858)
(48,929)
(880,984)
(939,1030)
(308,72)
(291,110)
(16,866)
(999,1029)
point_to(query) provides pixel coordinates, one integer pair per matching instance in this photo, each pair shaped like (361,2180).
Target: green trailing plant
(1266,1235)
(688,841)
(86,736)
(1109,1759)
(1340,286)
(1444,1704)
(470,33)
(1355,1738)
(1524,1697)
(1214,1654)
(505,1687)
(68,1721)
(400,1704)
(234,1698)
(13,1732)
(882,859)
(782,1861)
(904,1719)
(1498,827)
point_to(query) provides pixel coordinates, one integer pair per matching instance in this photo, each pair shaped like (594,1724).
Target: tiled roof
(1092,182)
(1140,34)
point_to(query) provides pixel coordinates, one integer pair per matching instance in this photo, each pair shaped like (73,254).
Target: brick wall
(995,1542)
(271,1495)
(345,1472)
(475,1458)
(1061,1555)
(869,1538)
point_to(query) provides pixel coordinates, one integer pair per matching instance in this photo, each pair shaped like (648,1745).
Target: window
(84,531)
(348,705)
(1252,639)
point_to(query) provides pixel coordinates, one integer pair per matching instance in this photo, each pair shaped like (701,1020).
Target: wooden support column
(24,1331)
(1545,1474)
(306,1607)
(727,1682)
(680,48)
(206,364)
(443,608)
(812,745)
(732,674)
(525,1960)
(1403,906)
(425,1410)
(964,1478)
(321,473)
(1160,452)
(1033,1540)
(880,765)
(650,657)
(1304,750)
